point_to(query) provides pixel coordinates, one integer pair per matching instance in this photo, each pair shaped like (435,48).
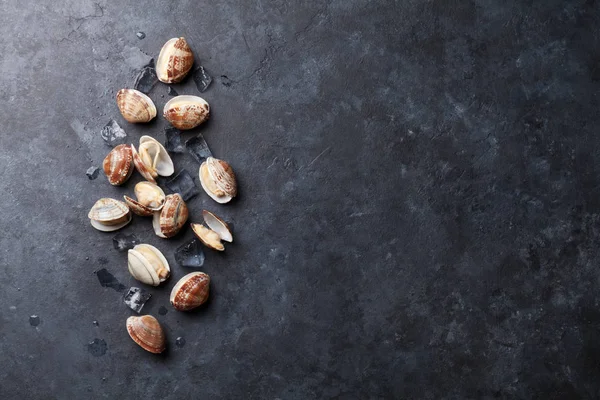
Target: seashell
(218,180)
(191,291)
(149,195)
(108,215)
(137,208)
(186,112)
(135,106)
(174,61)
(174,214)
(147,264)
(147,332)
(152,159)
(217,230)
(118,165)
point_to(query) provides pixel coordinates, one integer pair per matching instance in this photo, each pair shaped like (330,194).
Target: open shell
(153,154)
(150,195)
(117,165)
(186,112)
(147,333)
(217,230)
(191,291)
(147,172)
(135,106)
(137,208)
(174,61)
(174,214)
(148,265)
(109,215)
(218,180)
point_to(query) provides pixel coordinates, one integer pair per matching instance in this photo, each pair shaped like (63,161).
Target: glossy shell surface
(191,291)
(174,61)
(186,112)
(117,165)
(135,106)
(218,180)
(147,333)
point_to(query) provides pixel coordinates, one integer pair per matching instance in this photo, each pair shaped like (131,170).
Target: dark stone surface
(419,209)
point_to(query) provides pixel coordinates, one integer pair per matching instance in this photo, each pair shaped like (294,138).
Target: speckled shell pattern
(191,291)
(223,176)
(178,62)
(117,165)
(147,333)
(135,106)
(186,114)
(174,215)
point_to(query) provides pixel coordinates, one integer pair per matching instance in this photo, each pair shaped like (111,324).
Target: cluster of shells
(169,213)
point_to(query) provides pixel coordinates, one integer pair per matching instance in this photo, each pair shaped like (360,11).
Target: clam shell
(147,264)
(174,61)
(208,237)
(186,112)
(108,215)
(135,106)
(217,225)
(144,170)
(218,180)
(147,332)
(191,291)
(137,208)
(149,195)
(171,218)
(118,165)
(150,150)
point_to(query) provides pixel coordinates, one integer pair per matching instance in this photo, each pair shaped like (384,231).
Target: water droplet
(95,323)
(97,347)
(162,310)
(34,320)
(180,342)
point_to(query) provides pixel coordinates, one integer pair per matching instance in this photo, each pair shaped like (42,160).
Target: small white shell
(147,264)
(109,215)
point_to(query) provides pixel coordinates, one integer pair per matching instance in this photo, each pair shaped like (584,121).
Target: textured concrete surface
(419,211)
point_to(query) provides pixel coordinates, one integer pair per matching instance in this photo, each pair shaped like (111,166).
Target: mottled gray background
(418,213)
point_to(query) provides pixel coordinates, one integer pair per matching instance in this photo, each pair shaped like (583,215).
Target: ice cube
(92,173)
(107,279)
(190,254)
(113,134)
(173,143)
(140,35)
(146,80)
(123,242)
(202,79)
(172,92)
(135,298)
(183,183)
(198,148)
(34,320)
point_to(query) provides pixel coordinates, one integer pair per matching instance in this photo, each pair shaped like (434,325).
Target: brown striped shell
(173,216)
(147,333)
(174,61)
(186,112)
(147,172)
(135,106)
(191,291)
(117,165)
(218,180)
(137,208)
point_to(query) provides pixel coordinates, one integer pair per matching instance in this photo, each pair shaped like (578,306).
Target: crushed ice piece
(123,242)
(135,298)
(198,148)
(183,183)
(92,173)
(202,79)
(180,342)
(95,323)
(34,320)
(146,80)
(113,134)
(97,347)
(173,143)
(140,35)
(172,92)
(107,279)
(190,254)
